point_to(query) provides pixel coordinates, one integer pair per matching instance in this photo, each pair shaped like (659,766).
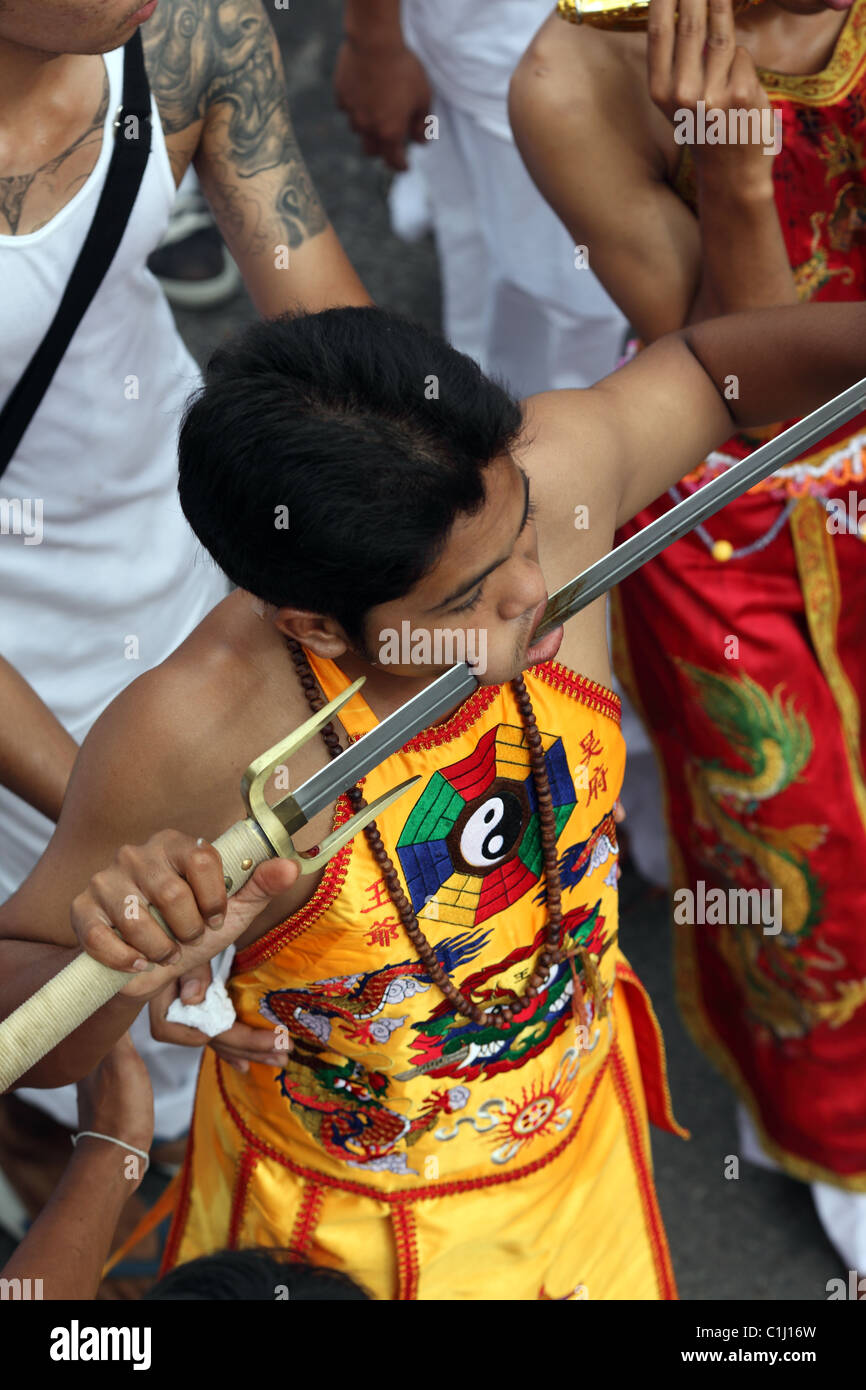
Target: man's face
(482,600)
(71,26)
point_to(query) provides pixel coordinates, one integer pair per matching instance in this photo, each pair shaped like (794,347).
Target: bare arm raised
(642,427)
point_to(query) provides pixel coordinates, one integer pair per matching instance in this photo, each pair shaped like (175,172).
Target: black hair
(259,1274)
(369,429)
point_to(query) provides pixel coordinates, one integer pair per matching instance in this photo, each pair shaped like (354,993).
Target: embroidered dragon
(774,741)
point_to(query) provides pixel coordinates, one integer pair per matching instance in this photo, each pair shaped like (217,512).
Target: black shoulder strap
(125,170)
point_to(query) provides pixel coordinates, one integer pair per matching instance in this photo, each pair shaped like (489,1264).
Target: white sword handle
(84,985)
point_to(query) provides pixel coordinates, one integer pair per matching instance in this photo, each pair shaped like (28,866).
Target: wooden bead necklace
(551,953)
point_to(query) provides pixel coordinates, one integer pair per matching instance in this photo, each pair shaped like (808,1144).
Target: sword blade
(455,685)
(373,748)
(686,515)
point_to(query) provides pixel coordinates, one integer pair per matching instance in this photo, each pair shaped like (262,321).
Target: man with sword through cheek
(445,1064)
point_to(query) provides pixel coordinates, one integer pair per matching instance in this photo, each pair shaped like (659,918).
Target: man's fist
(385,93)
(183,878)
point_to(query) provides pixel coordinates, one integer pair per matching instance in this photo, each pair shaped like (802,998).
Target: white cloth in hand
(216,1012)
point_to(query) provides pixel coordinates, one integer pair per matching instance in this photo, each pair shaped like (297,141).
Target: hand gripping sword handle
(69,998)
(84,985)
(64,1002)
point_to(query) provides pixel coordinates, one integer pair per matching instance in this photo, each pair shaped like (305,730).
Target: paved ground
(756,1237)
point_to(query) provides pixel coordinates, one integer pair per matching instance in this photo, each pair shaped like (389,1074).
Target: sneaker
(192,263)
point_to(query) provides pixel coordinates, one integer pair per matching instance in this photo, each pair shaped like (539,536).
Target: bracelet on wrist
(109,1139)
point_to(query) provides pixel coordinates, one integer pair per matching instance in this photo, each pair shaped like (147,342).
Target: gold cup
(617,14)
(606,14)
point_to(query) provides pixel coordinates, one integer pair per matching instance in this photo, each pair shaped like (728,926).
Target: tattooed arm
(217,75)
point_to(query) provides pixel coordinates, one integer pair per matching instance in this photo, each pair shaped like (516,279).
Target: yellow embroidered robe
(425,1155)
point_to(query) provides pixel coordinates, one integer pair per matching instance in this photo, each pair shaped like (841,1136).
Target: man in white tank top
(111,579)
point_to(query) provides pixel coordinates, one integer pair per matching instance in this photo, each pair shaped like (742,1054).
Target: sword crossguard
(278,829)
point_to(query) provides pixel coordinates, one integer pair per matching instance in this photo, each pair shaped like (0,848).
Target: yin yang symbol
(490,828)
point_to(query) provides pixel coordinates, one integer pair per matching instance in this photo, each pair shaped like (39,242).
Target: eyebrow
(473,583)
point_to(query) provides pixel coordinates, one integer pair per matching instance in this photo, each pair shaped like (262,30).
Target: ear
(323,636)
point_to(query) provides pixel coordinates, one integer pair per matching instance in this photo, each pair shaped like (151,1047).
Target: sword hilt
(277,830)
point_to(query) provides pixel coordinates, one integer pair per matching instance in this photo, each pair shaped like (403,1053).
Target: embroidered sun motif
(541,1110)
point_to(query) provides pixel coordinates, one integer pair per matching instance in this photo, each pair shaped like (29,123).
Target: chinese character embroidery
(381,934)
(597,783)
(380,896)
(591,746)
